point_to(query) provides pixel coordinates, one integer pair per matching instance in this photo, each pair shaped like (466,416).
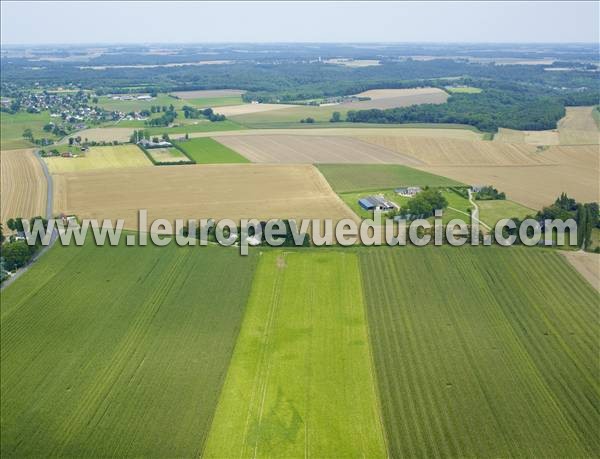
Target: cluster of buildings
(380,203)
(131,97)
(377,202)
(146,143)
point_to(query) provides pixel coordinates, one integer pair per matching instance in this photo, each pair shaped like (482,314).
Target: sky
(71,22)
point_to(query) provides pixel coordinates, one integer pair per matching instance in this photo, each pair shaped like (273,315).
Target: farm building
(149,144)
(377,203)
(477,188)
(408,191)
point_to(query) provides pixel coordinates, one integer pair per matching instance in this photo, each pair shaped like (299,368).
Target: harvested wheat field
(578,127)
(245,109)
(571,169)
(456,152)
(112,157)
(207,93)
(588,265)
(23,185)
(528,137)
(103,134)
(441,133)
(391,98)
(292,149)
(200,191)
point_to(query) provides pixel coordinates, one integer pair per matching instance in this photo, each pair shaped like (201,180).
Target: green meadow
(205,150)
(13,125)
(300,383)
(364,177)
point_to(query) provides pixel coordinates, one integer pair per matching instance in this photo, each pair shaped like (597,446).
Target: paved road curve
(43,250)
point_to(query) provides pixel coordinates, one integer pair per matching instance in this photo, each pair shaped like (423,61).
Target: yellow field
(297,149)
(391,98)
(112,157)
(23,185)
(454,152)
(528,137)
(578,127)
(441,133)
(571,169)
(245,109)
(199,191)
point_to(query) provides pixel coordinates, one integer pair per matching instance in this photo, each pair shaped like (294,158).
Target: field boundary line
(373,369)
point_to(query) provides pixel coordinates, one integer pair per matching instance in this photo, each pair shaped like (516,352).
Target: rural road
(475,213)
(49,188)
(53,238)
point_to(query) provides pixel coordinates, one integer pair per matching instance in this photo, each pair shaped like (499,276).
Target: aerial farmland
(299,346)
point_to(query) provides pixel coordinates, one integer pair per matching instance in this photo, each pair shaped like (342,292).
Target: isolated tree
(28,134)
(335,117)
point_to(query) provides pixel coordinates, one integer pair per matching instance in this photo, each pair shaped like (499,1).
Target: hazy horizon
(186,23)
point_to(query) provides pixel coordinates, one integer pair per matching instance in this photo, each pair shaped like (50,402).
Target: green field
(135,105)
(205,150)
(463,90)
(476,359)
(205,102)
(300,382)
(202,126)
(168,155)
(118,351)
(360,177)
(12,127)
(491,212)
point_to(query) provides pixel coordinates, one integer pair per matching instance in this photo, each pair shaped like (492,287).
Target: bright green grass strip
(359,177)
(118,351)
(483,352)
(491,212)
(300,383)
(205,150)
